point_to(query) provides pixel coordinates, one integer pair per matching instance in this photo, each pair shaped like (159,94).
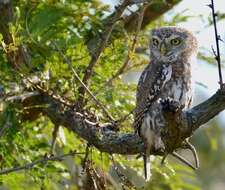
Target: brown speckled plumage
(168,75)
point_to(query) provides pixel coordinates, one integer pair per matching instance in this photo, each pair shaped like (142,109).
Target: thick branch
(113,142)
(208,109)
(100,137)
(153,11)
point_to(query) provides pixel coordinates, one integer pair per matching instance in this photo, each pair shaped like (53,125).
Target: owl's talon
(170,105)
(167,75)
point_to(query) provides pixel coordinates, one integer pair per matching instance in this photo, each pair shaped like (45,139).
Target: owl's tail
(147,167)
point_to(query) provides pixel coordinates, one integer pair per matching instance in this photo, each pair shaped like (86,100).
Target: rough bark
(153,11)
(109,141)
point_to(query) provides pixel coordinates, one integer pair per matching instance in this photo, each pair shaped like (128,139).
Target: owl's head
(168,44)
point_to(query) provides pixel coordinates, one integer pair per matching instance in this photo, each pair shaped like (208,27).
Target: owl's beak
(163,50)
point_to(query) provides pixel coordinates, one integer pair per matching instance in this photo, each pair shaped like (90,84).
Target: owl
(168,75)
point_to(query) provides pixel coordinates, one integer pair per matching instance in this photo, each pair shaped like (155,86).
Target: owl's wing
(151,81)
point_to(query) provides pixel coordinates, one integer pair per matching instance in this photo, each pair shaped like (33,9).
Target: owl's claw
(170,105)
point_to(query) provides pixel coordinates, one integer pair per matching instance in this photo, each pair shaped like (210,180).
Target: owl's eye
(175,41)
(155,42)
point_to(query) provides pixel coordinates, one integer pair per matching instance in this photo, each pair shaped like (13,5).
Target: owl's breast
(179,89)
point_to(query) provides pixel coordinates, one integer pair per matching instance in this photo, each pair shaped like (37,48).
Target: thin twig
(27,16)
(40,161)
(99,104)
(182,159)
(47,92)
(84,161)
(22,97)
(127,60)
(217,52)
(131,49)
(124,118)
(96,55)
(190,147)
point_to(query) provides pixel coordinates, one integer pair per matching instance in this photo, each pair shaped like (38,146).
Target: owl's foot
(170,105)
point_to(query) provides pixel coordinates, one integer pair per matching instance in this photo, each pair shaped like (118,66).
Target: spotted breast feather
(149,88)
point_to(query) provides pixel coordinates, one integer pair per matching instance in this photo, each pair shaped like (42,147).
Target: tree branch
(40,161)
(208,109)
(217,52)
(130,51)
(96,45)
(153,11)
(101,137)
(98,103)
(113,142)
(100,46)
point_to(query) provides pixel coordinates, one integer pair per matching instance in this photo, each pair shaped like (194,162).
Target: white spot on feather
(144,76)
(167,71)
(177,89)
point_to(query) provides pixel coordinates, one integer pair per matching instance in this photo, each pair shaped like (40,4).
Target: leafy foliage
(50,30)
